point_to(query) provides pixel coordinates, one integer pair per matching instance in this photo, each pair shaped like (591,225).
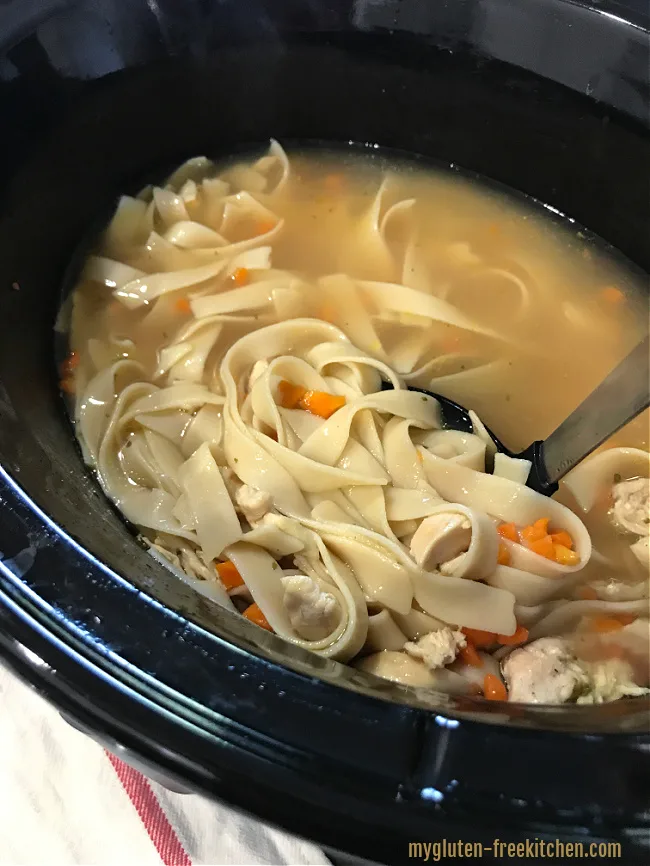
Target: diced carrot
(536,531)
(469,655)
(327,313)
(69,365)
(479,637)
(254,613)
(290,394)
(588,593)
(603,624)
(265,226)
(520,636)
(320,403)
(494,689)
(182,305)
(612,295)
(240,276)
(565,556)
(562,538)
(509,531)
(503,557)
(543,547)
(229,575)
(625,618)
(68,385)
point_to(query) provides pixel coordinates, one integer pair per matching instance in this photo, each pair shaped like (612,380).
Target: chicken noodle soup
(232,337)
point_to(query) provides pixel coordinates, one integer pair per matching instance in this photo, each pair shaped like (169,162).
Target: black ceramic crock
(546,96)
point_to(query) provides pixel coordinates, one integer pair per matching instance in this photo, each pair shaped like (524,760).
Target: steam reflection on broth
(229,339)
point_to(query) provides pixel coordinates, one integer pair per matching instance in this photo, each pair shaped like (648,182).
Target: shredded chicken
(253,503)
(313,612)
(544,672)
(438,648)
(610,680)
(631,509)
(440,538)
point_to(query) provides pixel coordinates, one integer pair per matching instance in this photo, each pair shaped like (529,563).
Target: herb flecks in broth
(229,339)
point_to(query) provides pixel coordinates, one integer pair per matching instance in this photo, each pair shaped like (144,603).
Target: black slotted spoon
(619,398)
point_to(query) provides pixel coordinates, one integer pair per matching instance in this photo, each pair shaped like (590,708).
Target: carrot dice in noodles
(240,276)
(520,636)
(290,394)
(229,575)
(509,531)
(469,655)
(479,637)
(536,531)
(494,689)
(565,556)
(543,547)
(182,305)
(254,613)
(320,403)
(562,538)
(503,556)
(603,624)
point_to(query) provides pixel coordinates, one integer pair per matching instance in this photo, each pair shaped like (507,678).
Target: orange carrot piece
(603,624)
(254,613)
(229,575)
(182,305)
(625,618)
(469,655)
(494,689)
(536,531)
(503,557)
(320,403)
(69,365)
(543,547)
(565,556)
(327,313)
(588,593)
(265,226)
(562,538)
(612,295)
(509,531)
(290,394)
(520,636)
(240,276)
(67,385)
(479,637)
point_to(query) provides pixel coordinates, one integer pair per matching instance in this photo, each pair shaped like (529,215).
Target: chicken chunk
(313,613)
(438,648)
(611,679)
(544,672)
(440,538)
(631,509)
(253,503)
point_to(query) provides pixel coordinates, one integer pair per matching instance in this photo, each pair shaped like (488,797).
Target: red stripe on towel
(146,804)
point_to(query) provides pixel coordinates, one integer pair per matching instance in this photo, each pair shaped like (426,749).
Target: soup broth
(229,338)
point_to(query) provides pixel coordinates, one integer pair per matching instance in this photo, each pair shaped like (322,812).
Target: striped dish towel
(65,801)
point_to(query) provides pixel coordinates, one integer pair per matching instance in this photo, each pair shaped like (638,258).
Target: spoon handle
(618,399)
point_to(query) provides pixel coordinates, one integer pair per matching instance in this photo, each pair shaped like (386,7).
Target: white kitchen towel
(64,801)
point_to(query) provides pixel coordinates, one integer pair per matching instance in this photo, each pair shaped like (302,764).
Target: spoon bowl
(620,397)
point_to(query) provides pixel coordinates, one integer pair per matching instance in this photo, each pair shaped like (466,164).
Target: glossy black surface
(547,97)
